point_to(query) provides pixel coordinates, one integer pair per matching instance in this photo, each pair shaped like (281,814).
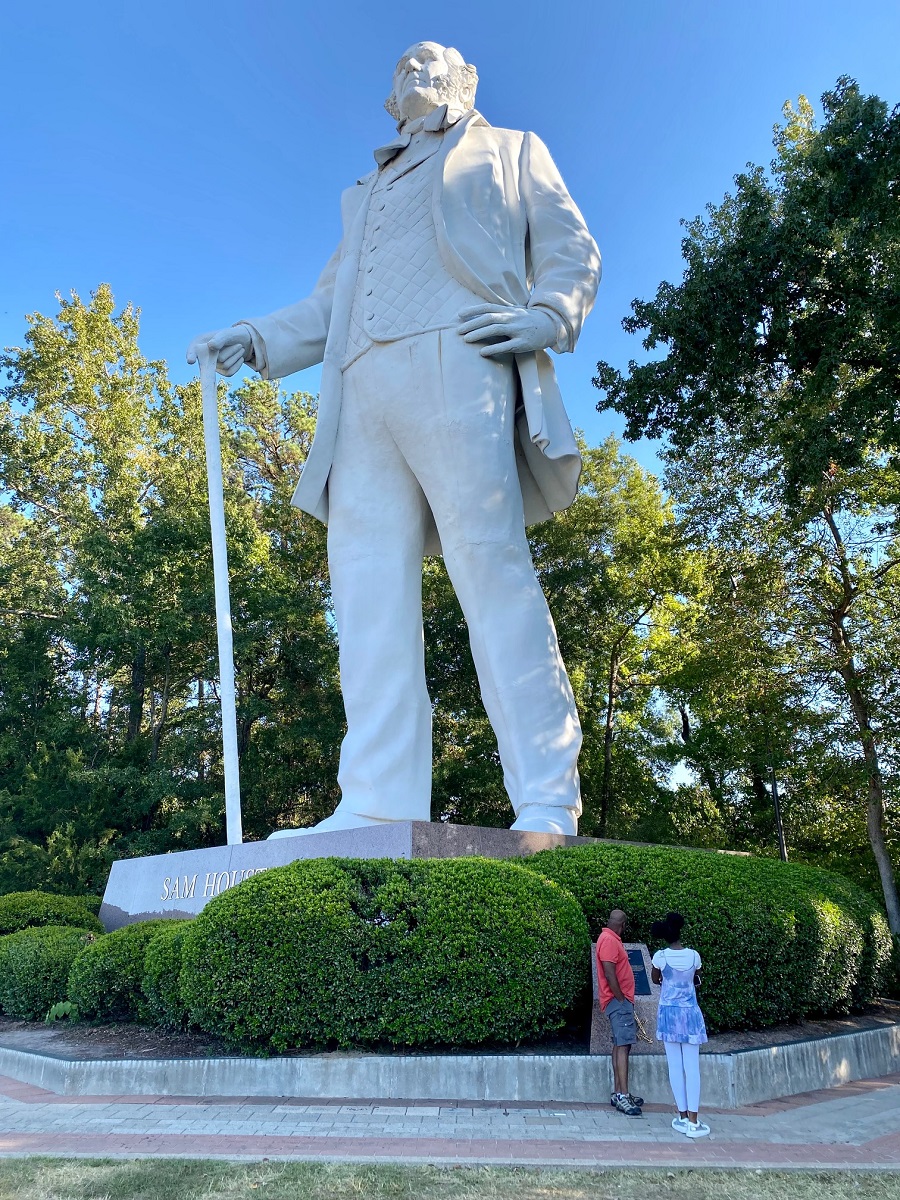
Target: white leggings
(684,1074)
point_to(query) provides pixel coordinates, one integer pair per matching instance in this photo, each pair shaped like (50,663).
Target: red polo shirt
(610,949)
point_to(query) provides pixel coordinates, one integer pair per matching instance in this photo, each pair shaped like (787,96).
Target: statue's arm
(565,261)
(294,337)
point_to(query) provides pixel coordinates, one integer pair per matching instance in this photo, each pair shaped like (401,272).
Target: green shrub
(105,979)
(91,903)
(34,968)
(347,953)
(779,941)
(162,971)
(23,910)
(892,987)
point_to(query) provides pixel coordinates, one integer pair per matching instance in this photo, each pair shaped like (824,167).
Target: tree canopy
(777,399)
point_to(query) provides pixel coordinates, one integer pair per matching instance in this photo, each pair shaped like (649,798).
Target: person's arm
(609,970)
(656,975)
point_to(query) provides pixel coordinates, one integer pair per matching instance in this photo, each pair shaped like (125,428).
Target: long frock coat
(508,230)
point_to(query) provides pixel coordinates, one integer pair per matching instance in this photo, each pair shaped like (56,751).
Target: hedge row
(34,968)
(779,941)
(346,953)
(336,952)
(23,910)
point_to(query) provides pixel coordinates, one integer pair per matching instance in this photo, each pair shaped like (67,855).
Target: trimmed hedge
(344,952)
(105,979)
(34,968)
(162,971)
(779,941)
(23,910)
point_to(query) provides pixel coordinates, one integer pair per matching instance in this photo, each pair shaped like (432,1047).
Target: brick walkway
(856,1126)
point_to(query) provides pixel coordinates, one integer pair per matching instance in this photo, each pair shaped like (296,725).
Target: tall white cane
(207,361)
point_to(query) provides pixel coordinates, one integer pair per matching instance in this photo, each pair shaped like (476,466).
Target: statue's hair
(461,76)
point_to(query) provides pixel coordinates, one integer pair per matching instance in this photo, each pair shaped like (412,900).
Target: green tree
(777,397)
(108,709)
(786,322)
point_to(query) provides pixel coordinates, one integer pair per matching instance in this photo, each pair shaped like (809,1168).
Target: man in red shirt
(616,982)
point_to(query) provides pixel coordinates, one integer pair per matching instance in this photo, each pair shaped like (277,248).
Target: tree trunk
(163,707)
(98,695)
(136,695)
(609,724)
(859,702)
(202,757)
(707,774)
(875,788)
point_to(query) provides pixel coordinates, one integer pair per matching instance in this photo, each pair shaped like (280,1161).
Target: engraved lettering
(209,888)
(220,887)
(175,894)
(165,891)
(187,888)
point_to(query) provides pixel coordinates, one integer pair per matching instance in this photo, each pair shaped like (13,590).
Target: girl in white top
(680,1025)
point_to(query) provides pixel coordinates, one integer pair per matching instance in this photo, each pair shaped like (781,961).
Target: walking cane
(207,361)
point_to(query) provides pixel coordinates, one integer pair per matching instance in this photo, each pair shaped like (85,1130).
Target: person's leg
(675,1064)
(620,1058)
(691,1058)
(376,529)
(464,458)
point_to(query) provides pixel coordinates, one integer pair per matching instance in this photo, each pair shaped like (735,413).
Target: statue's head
(427,76)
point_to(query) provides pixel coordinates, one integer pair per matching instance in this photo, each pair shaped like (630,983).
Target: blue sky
(192,154)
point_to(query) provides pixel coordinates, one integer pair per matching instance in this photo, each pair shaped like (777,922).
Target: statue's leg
(376,534)
(376,530)
(461,449)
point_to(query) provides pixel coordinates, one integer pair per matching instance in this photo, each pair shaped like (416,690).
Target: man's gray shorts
(621,1020)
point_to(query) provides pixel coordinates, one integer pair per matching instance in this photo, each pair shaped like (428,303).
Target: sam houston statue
(441,430)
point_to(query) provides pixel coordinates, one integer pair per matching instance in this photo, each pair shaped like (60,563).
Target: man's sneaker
(638,1100)
(698,1130)
(624,1105)
(680,1124)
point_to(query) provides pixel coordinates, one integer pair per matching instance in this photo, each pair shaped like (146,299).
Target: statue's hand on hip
(510,330)
(232,347)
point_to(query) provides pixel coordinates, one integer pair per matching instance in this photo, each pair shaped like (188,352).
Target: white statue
(441,430)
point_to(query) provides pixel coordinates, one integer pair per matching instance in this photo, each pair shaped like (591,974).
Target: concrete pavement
(854,1126)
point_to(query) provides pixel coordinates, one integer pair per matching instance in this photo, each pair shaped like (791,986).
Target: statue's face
(424,80)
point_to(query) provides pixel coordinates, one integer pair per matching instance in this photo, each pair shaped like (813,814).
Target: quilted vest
(402,287)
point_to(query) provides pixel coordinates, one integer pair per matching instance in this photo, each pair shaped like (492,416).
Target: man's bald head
(617,921)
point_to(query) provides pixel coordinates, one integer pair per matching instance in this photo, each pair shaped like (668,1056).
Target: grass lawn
(150,1179)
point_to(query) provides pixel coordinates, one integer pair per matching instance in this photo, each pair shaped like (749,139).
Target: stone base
(181,884)
(729,1080)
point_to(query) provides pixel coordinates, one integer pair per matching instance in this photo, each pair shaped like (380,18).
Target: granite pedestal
(182,883)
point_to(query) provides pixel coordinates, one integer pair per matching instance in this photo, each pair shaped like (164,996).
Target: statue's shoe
(546,818)
(337,820)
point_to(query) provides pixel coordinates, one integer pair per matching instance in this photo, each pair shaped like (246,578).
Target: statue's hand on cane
(232,346)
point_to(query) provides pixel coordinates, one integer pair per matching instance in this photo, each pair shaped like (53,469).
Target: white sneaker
(695,1131)
(546,818)
(680,1124)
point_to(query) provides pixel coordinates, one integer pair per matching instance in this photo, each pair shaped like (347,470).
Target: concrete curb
(729,1080)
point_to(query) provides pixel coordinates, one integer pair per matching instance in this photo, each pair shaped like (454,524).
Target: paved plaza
(855,1126)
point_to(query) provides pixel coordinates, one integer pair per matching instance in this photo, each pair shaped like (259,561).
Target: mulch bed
(91,1042)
